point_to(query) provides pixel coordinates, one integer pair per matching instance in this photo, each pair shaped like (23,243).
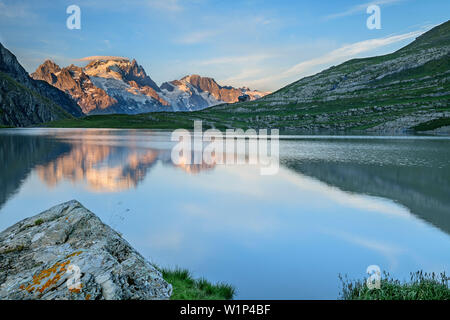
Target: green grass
(433,124)
(422,286)
(187,288)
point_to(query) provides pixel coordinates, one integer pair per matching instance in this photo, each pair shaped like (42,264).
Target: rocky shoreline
(68,253)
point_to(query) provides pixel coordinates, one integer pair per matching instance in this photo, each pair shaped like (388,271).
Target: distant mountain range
(107,85)
(195,93)
(118,85)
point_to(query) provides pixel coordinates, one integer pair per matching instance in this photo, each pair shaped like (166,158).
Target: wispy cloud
(13,10)
(220,29)
(243,76)
(359,8)
(197,36)
(166,5)
(390,251)
(235,59)
(349,51)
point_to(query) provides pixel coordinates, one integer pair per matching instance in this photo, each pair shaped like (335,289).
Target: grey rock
(40,258)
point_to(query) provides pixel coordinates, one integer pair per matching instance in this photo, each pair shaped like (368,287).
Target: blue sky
(261,44)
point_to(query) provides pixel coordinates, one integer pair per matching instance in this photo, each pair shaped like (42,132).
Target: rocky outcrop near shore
(67,253)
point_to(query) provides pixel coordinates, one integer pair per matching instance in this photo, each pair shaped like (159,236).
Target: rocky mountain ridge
(25,101)
(122,86)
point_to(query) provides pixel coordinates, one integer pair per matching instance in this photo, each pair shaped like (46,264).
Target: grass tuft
(185,287)
(421,286)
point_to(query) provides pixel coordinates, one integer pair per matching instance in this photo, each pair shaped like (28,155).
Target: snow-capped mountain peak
(121,85)
(194,92)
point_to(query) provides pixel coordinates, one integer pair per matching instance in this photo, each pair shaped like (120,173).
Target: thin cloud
(245,74)
(15,10)
(360,8)
(226,28)
(166,5)
(197,37)
(235,59)
(391,252)
(350,51)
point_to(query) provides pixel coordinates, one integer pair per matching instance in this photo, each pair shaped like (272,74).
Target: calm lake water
(336,206)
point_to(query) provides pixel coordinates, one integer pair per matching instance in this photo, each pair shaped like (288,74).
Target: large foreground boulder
(66,252)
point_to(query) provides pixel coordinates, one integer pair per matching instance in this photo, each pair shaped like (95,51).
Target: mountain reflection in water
(412,172)
(103,165)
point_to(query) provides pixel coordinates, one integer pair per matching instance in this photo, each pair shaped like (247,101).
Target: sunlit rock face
(108,73)
(67,253)
(120,69)
(74,81)
(106,86)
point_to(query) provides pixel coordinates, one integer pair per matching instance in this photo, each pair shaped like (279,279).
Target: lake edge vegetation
(421,286)
(185,287)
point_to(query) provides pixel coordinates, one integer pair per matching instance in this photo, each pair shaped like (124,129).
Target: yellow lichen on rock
(53,274)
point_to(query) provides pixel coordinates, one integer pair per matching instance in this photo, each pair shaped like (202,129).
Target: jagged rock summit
(121,85)
(74,81)
(106,85)
(194,92)
(66,252)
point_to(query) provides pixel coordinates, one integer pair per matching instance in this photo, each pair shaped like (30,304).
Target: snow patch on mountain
(185,97)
